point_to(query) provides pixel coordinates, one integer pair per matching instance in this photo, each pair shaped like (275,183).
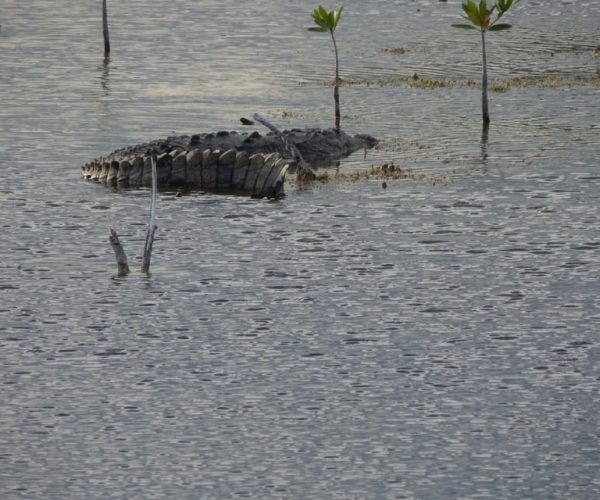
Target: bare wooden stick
(305,171)
(122,266)
(148,249)
(151,224)
(105,28)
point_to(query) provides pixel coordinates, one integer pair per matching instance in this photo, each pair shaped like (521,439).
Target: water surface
(435,339)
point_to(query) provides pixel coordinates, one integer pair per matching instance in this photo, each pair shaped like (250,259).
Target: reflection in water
(336,99)
(485,131)
(104,77)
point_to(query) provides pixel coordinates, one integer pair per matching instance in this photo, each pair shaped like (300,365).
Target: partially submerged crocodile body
(228,162)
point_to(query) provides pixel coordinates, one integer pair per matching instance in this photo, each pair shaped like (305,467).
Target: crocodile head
(325,147)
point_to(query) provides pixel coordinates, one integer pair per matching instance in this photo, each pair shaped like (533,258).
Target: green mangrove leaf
(478,13)
(472,12)
(319,22)
(327,20)
(482,8)
(470,6)
(322,21)
(464,26)
(504,5)
(337,15)
(485,15)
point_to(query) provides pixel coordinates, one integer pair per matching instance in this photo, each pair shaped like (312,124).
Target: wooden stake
(151,225)
(105,29)
(122,266)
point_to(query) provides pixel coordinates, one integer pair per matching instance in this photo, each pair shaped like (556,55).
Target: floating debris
(395,50)
(385,172)
(415,81)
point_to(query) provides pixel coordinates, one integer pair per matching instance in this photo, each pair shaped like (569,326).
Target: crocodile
(225,162)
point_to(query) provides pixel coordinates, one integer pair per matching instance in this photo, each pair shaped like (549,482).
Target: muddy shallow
(433,339)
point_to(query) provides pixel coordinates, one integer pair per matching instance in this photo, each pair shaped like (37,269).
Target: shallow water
(435,339)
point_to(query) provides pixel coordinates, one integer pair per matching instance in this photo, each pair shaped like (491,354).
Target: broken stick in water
(122,266)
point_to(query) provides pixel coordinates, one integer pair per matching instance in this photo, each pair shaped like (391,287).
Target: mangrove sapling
(326,22)
(480,17)
(105,29)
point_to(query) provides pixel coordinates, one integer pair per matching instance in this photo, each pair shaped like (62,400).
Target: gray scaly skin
(235,172)
(228,162)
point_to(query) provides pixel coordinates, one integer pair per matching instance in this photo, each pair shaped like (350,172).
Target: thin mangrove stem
(484,84)
(336,87)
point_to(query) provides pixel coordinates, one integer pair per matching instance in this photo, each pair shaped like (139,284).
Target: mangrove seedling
(326,22)
(480,17)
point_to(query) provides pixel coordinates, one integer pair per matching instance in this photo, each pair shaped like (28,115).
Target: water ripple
(432,339)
